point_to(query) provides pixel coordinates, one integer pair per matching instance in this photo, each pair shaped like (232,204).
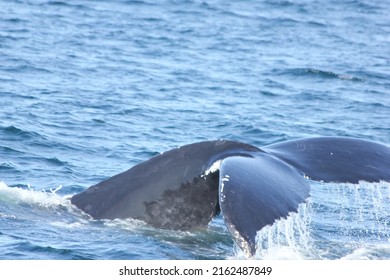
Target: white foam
(68,225)
(129,224)
(369,252)
(32,197)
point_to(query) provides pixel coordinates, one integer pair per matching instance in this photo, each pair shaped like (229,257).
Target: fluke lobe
(184,188)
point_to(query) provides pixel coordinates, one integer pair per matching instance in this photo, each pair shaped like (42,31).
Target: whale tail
(336,159)
(184,188)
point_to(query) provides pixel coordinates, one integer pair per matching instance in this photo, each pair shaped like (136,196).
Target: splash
(29,196)
(339,221)
(287,238)
(355,212)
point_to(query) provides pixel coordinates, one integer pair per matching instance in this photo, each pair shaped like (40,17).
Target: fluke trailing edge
(184,188)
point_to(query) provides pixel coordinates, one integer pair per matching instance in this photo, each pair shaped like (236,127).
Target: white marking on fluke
(213,168)
(223,180)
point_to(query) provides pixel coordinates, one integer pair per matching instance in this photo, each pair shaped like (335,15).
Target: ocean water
(90,88)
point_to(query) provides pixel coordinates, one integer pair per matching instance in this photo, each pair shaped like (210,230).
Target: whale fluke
(185,188)
(336,159)
(173,190)
(256,191)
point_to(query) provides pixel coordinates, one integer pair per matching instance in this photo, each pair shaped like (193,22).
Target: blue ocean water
(90,88)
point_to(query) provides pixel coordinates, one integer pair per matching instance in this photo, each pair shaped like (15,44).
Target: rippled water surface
(90,88)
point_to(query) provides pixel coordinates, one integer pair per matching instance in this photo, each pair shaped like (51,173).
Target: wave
(313,72)
(63,4)
(20,134)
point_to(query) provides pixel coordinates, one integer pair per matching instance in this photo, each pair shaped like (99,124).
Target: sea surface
(90,88)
